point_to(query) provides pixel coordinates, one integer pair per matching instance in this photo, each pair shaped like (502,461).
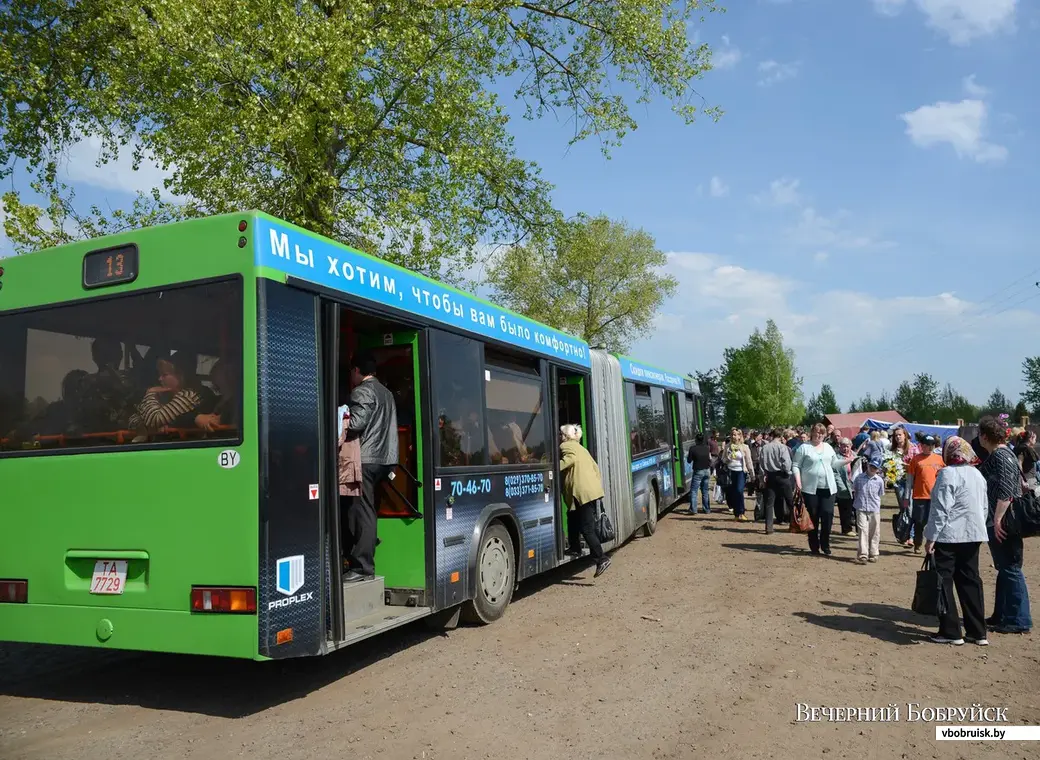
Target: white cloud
(831,328)
(782,192)
(80,164)
(813,229)
(772,72)
(973,89)
(821,256)
(718,188)
(962,125)
(960,20)
(725,56)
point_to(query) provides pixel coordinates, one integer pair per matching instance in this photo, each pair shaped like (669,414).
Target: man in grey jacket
(373,418)
(775,461)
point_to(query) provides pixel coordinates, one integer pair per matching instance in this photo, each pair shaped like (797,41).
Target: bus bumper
(131,629)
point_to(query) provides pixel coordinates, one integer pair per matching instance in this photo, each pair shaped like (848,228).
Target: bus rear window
(161,366)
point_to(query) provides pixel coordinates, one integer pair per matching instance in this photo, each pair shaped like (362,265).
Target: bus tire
(495,577)
(650,526)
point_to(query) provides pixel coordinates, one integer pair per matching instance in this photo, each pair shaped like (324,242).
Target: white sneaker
(944,640)
(978,642)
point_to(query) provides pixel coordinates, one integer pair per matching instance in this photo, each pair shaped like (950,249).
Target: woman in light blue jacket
(956,529)
(813,464)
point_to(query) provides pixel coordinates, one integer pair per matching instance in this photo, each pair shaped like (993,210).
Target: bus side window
(515,415)
(456,398)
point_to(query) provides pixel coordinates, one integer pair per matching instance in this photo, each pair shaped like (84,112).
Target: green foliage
(997,403)
(31,227)
(712,398)
(760,383)
(369,122)
(953,406)
(596,279)
(918,400)
(1020,412)
(870,404)
(820,405)
(1031,376)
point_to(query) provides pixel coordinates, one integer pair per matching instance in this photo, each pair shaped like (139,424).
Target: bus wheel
(496,576)
(650,526)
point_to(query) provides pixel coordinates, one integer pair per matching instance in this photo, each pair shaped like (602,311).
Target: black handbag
(901,525)
(930,594)
(1022,518)
(604,528)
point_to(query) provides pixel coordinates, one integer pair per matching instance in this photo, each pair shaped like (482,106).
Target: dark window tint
(458,400)
(645,438)
(633,418)
(155,367)
(689,415)
(661,426)
(515,418)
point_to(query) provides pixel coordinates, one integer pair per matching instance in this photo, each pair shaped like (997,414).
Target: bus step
(377,622)
(362,598)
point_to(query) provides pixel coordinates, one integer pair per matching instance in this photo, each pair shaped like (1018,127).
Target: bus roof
(283,248)
(644,373)
(299,253)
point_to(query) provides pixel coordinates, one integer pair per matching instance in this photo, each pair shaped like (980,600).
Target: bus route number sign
(109,576)
(110,266)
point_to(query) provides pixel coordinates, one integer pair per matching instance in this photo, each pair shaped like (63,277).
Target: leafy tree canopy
(370,122)
(1031,375)
(596,279)
(760,383)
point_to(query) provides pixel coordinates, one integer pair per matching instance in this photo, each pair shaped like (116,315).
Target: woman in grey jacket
(956,529)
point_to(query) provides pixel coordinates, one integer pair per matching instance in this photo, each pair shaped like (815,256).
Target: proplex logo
(289,579)
(298,599)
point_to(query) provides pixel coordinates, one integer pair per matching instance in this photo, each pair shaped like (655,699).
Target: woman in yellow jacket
(583,492)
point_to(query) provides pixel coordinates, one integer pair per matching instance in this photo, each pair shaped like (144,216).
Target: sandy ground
(698,642)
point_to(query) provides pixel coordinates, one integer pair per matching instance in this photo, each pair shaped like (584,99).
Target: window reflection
(457,400)
(160,366)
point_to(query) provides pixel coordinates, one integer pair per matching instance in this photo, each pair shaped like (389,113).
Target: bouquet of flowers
(892,470)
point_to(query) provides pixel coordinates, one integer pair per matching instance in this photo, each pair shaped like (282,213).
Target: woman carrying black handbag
(583,492)
(956,529)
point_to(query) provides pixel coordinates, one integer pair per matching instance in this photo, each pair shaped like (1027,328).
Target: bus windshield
(150,367)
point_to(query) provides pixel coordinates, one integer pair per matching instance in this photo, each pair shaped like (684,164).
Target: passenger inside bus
(175,401)
(107,398)
(60,417)
(226,408)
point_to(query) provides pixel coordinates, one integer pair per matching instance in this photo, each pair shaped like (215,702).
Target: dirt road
(698,642)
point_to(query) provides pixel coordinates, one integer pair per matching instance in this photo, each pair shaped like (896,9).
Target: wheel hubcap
(494,570)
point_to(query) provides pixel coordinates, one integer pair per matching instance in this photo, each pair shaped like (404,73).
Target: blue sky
(871,187)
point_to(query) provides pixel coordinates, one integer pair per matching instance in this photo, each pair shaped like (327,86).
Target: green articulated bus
(212,524)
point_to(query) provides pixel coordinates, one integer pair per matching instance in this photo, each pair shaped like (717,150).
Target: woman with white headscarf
(583,493)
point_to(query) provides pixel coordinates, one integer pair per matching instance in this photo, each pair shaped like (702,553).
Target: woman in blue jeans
(736,458)
(1004,483)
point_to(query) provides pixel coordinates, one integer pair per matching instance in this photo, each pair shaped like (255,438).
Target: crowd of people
(952,495)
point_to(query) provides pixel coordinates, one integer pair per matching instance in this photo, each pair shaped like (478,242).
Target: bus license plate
(109,576)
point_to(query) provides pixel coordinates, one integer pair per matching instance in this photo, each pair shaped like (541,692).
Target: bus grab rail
(120,436)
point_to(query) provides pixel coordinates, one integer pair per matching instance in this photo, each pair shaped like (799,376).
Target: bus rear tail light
(14,592)
(234,600)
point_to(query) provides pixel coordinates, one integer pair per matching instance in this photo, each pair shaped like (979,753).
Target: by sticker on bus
(229,459)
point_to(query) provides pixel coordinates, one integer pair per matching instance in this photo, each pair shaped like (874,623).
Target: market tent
(848,425)
(942,432)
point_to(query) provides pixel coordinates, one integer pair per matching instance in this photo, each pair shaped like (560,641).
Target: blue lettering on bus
(300,254)
(642,464)
(641,373)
